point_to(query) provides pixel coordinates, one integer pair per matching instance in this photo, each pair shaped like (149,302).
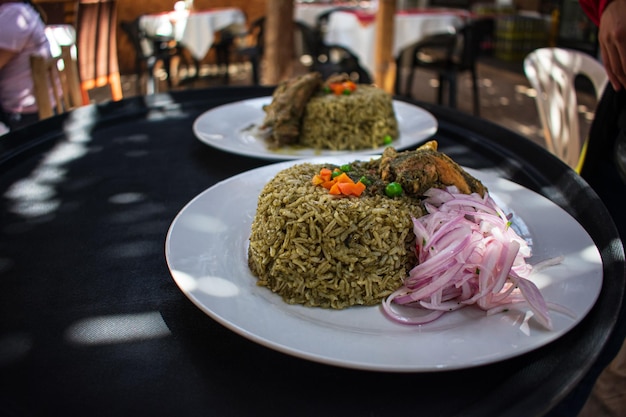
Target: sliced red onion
(467,255)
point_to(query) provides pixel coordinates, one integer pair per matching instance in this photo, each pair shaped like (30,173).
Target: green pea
(346,92)
(393,189)
(336,174)
(365,180)
(387,139)
(346,168)
(326,89)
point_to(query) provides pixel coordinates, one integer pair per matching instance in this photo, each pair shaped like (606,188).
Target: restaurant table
(356,29)
(93,324)
(194,30)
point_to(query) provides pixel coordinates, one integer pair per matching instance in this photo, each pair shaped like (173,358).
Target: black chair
(311,51)
(449,55)
(149,50)
(331,58)
(254,52)
(336,59)
(223,48)
(305,46)
(327,59)
(433,53)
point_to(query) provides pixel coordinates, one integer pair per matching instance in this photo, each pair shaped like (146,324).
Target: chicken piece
(284,114)
(425,168)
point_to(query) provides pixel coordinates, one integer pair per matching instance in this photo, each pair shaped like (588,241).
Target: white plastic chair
(551,72)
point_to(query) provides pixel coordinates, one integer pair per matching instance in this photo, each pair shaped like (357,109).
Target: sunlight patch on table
(120,328)
(127,198)
(33,196)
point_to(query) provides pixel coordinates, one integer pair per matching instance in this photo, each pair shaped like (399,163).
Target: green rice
(316,249)
(360,120)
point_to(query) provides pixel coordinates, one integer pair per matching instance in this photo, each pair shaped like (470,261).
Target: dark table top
(92,323)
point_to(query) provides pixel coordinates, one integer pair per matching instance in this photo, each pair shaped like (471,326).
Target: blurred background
(505,95)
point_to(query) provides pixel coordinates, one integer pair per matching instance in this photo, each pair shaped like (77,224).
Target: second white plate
(232,128)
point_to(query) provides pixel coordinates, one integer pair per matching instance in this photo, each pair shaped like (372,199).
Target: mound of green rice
(317,249)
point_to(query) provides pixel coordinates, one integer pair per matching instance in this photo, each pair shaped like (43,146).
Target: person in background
(604,156)
(604,168)
(22,33)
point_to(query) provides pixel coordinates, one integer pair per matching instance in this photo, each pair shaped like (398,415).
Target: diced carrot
(358,188)
(326,174)
(337,88)
(350,85)
(343,177)
(323,177)
(340,184)
(348,188)
(317,180)
(345,188)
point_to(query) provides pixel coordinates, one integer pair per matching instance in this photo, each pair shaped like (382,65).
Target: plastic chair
(449,63)
(59,76)
(552,73)
(96,30)
(149,51)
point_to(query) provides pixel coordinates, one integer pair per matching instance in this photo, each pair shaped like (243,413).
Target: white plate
(206,252)
(233,128)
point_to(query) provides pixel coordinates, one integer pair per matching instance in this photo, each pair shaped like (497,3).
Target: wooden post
(384,62)
(277,62)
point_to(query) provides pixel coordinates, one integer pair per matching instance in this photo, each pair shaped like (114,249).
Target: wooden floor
(505,99)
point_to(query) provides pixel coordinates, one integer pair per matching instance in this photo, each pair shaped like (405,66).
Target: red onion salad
(468,254)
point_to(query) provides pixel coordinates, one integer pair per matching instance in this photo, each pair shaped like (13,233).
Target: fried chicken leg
(284,113)
(424,168)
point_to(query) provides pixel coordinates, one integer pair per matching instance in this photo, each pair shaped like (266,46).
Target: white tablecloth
(308,13)
(195,30)
(359,34)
